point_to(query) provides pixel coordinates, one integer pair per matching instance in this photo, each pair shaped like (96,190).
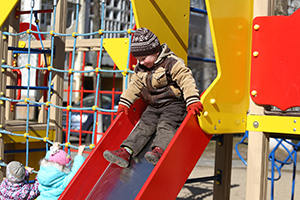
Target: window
(46,17)
(70,14)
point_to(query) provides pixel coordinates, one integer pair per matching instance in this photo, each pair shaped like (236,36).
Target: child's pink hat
(60,157)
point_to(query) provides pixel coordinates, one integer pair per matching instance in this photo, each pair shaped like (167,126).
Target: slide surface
(98,179)
(118,183)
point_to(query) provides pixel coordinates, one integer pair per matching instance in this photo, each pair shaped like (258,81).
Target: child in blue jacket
(56,172)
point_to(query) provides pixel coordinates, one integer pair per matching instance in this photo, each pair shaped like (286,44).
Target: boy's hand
(81,149)
(122,108)
(195,108)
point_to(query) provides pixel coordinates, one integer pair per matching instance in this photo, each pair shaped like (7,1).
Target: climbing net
(277,164)
(49,69)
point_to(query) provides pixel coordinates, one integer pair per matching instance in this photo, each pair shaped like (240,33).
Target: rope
(276,164)
(28,102)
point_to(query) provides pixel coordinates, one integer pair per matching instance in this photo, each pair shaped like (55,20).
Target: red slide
(98,179)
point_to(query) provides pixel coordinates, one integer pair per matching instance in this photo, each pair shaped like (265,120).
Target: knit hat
(59,156)
(15,172)
(144,43)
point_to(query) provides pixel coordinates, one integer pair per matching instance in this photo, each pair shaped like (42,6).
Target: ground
(205,167)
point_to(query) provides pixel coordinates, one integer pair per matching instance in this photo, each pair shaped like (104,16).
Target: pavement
(205,167)
(204,190)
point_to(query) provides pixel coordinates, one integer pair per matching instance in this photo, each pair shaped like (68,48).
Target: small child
(56,172)
(16,185)
(170,89)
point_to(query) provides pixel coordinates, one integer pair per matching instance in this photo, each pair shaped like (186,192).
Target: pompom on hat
(59,156)
(15,172)
(144,43)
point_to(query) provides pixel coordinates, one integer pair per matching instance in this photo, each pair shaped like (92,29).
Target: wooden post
(58,63)
(42,114)
(223,163)
(11,78)
(2,108)
(3,54)
(13,27)
(258,142)
(257,162)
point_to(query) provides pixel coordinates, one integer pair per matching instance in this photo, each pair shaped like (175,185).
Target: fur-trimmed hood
(44,163)
(51,174)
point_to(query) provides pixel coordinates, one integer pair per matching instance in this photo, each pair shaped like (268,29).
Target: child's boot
(120,157)
(154,155)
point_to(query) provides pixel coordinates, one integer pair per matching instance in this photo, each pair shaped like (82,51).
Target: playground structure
(226,101)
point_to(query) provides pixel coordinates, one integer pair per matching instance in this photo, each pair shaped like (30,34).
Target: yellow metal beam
(226,101)
(5,9)
(169,20)
(273,124)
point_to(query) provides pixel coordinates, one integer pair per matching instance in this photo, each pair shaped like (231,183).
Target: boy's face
(147,61)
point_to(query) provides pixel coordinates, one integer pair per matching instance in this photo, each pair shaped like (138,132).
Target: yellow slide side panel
(37,151)
(5,9)
(226,101)
(169,20)
(117,48)
(18,139)
(274,124)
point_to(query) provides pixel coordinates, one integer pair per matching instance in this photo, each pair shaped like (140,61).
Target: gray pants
(159,123)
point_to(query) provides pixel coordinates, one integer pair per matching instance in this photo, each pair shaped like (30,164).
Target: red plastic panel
(95,164)
(24,26)
(178,161)
(165,180)
(275,69)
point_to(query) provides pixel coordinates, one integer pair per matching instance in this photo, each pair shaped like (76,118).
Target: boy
(168,86)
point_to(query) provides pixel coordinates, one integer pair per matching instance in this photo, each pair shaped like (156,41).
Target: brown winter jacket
(168,80)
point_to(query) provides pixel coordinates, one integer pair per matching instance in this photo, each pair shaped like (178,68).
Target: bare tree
(286,7)
(281,7)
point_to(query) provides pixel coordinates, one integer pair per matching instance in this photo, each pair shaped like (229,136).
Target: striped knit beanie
(144,43)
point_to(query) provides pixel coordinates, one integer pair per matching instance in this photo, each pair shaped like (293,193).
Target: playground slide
(98,179)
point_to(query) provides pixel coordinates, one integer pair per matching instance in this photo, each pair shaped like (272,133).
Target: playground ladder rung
(25,87)
(197,10)
(202,59)
(35,11)
(25,50)
(202,179)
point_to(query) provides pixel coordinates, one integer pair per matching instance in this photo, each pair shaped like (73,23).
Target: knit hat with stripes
(144,43)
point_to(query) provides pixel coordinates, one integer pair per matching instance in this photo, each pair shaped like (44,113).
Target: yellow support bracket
(273,124)
(117,48)
(226,100)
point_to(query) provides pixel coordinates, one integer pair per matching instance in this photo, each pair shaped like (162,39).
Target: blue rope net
(277,164)
(28,102)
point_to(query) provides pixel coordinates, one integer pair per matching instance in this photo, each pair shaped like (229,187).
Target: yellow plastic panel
(33,157)
(117,48)
(226,101)
(168,20)
(16,139)
(273,124)
(5,9)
